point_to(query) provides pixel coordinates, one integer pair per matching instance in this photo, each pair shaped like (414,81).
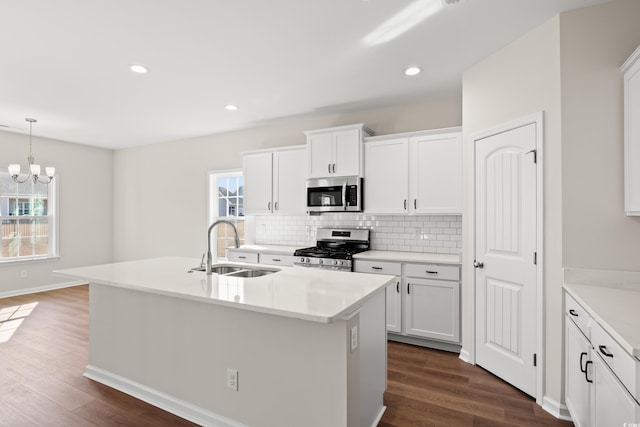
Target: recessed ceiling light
(137,68)
(231,107)
(412,71)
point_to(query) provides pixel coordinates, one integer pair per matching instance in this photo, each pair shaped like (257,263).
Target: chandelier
(34,170)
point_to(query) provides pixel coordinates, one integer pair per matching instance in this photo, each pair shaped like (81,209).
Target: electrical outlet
(354,338)
(308,230)
(23,274)
(232,379)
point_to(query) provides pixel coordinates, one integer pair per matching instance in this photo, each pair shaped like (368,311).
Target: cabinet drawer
(580,317)
(379,267)
(434,271)
(242,256)
(271,259)
(623,365)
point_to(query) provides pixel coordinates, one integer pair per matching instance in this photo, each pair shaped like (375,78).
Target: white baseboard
(40,289)
(379,417)
(465,356)
(556,409)
(161,400)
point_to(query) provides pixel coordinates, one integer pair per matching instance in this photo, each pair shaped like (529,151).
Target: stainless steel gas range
(334,249)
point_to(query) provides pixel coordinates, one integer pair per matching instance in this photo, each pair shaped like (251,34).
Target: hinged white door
(435,174)
(347,152)
(386,176)
(320,154)
(258,183)
(289,175)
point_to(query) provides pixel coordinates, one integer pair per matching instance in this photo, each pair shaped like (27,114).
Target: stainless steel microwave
(343,194)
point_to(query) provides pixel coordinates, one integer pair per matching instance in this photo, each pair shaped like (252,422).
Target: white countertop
(305,293)
(408,257)
(612,298)
(266,249)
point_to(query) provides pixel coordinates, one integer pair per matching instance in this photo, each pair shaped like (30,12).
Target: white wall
(85,199)
(595,42)
(160,205)
(520,79)
(569,68)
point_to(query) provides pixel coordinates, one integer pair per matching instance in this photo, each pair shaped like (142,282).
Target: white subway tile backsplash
(417,233)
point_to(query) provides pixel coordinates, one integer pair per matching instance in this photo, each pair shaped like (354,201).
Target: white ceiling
(65,62)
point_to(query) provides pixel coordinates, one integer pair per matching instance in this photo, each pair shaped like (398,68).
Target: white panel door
(347,146)
(435,174)
(258,183)
(289,175)
(386,176)
(505,274)
(320,155)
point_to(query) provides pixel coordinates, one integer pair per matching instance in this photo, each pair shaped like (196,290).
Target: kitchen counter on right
(422,257)
(612,298)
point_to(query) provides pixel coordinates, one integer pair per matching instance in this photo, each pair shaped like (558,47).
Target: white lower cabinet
(596,371)
(578,374)
(424,302)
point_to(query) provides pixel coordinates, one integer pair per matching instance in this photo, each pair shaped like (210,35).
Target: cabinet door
(386,176)
(347,154)
(394,307)
(320,154)
(289,175)
(258,183)
(433,309)
(577,389)
(435,174)
(613,405)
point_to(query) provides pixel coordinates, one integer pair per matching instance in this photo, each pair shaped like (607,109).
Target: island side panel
(291,372)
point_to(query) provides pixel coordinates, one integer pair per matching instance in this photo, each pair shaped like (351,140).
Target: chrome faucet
(209,256)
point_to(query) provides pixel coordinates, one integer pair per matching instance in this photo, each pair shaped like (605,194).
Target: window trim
(212,202)
(54,226)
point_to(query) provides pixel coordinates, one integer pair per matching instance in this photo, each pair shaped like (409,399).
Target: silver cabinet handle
(405,204)
(397,287)
(242,257)
(415,203)
(333,168)
(329,168)
(276,260)
(275,205)
(269,206)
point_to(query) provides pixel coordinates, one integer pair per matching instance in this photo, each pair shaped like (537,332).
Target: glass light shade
(50,171)
(35,170)
(14,170)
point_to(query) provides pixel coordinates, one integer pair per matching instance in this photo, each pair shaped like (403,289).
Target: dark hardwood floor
(43,353)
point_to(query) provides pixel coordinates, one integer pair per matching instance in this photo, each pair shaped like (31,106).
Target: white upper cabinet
(631,70)
(415,173)
(435,174)
(258,183)
(275,181)
(336,151)
(386,176)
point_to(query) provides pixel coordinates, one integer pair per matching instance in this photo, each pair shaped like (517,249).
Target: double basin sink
(237,271)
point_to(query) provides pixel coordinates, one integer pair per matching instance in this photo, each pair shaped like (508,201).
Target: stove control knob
(302,260)
(341,262)
(320,261)
(307,260)
(336,262)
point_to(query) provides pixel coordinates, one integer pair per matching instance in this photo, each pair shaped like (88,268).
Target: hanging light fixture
(34,170)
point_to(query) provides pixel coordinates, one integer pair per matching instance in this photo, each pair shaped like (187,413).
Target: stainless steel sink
(237,271)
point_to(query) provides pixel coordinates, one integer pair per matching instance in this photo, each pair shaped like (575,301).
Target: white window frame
(53,229)
(213,205)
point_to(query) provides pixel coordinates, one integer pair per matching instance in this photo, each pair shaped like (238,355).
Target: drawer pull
(586,371)
(242,257)
(573,313)
(603,350)
(377,268)
(431,272)
(277,260)
(583,370)
(408,288)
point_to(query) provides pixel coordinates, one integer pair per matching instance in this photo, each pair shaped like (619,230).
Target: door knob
(477,264)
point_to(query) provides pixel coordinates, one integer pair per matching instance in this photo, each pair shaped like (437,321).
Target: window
(28,221)
(226,201)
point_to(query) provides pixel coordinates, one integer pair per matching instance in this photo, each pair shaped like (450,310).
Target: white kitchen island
(309,345)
